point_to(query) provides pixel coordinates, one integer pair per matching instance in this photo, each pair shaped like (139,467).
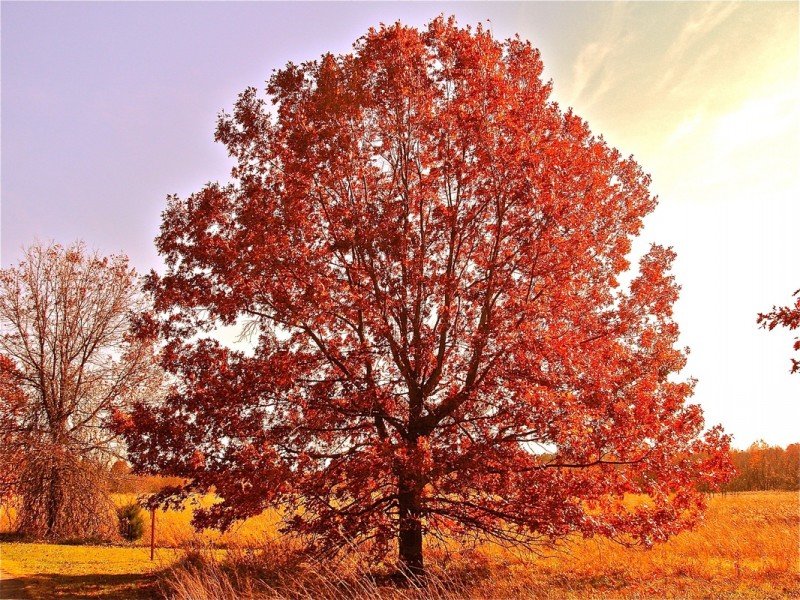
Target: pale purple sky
(109,107)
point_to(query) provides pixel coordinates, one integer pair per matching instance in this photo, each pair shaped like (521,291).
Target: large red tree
(426,251)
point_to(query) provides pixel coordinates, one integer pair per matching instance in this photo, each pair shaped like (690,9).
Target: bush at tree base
(64,497)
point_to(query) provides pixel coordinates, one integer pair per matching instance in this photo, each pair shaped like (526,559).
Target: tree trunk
(410,535)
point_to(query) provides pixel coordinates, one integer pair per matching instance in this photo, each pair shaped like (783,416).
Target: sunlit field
(58,571)
(174,529)
(746,547)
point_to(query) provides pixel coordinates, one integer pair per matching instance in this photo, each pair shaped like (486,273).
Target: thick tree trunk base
(410,535)
(411,557)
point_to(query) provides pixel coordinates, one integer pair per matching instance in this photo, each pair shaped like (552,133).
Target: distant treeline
(764,467)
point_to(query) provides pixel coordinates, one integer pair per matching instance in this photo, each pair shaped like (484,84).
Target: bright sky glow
(109,107)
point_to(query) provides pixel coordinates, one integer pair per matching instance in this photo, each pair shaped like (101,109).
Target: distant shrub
(131,521)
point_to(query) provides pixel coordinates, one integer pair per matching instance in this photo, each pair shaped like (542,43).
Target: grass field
(746,548)
(58,571)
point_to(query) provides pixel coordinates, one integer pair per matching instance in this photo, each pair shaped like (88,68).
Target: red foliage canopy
(427,250)
(785,316)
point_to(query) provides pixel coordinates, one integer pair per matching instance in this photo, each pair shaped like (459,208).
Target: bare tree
(64,322)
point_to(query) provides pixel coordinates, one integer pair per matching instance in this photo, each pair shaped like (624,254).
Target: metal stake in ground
(152,531)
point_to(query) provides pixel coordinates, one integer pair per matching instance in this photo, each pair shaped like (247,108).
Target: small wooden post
(152,531)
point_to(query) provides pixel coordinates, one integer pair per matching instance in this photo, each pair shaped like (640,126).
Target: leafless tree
(64,323)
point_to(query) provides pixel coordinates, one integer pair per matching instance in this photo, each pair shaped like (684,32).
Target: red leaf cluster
(784,316)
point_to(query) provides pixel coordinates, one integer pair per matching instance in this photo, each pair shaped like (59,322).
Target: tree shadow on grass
(98,587)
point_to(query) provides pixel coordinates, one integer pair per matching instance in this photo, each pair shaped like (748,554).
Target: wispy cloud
(748,152)
(696,29)
(589,67)
(684,129)
(592,74)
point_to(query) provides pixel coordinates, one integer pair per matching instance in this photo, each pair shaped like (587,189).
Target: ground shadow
(97,587)
(13,588)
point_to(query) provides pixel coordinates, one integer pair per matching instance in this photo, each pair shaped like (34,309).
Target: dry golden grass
(174,529)
(746,548)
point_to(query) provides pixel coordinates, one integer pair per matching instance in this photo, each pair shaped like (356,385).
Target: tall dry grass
(275,571)
(747,547)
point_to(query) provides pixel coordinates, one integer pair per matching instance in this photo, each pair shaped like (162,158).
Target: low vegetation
(745,548)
